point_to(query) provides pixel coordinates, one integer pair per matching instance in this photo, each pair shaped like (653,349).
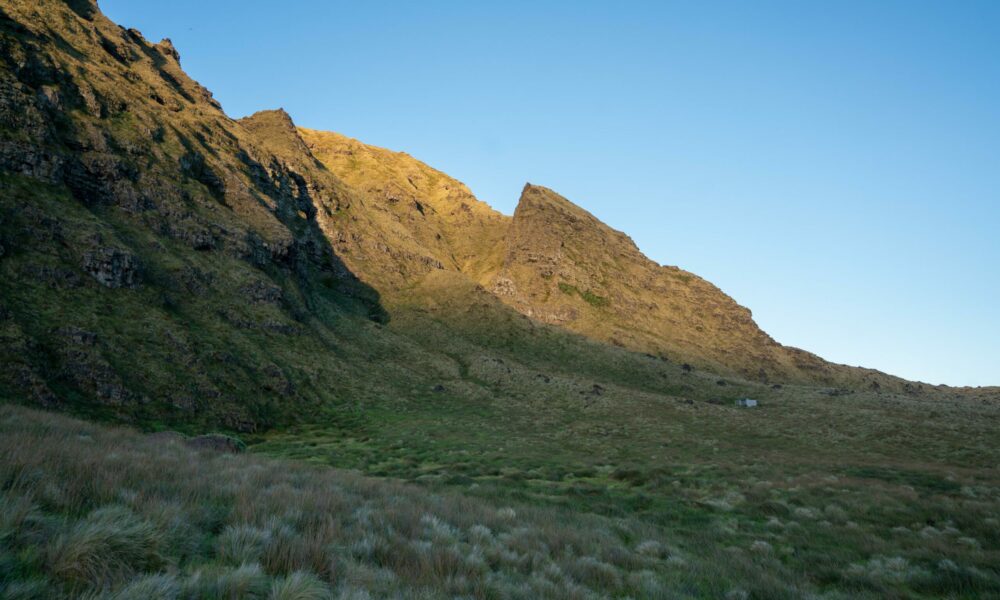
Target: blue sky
(834,166)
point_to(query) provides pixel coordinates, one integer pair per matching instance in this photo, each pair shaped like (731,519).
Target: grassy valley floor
(842,497)
(811,494)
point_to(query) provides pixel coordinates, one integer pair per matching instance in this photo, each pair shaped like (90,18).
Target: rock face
(112,267)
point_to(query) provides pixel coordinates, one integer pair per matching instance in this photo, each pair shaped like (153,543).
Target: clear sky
(834,166)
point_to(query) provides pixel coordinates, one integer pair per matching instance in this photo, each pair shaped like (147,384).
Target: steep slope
(555,263)
(160,262)
(163,264)
(563,266)
(420,206)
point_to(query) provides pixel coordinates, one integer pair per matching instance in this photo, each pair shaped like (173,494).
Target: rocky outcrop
(112,267)
(85,367)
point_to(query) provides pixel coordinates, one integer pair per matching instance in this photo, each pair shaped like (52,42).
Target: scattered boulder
(50,97)
(504,287)
(262,292)
(439,388)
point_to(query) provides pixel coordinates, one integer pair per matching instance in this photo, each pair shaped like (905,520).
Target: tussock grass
(299,586)
(88,511)
(108,545)
(110,513)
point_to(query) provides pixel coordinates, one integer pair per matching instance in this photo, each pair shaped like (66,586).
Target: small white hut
(746,403)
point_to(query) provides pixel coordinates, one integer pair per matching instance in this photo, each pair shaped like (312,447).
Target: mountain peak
(278,132)
(276,118)
(538,193)
(536,200)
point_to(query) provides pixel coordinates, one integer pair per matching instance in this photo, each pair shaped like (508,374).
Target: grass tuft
(299,586)
(107,546)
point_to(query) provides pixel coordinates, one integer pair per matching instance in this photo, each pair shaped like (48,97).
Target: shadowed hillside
(159,261)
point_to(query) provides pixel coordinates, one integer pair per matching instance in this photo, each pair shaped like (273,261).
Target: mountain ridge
(163,262)
(673,334)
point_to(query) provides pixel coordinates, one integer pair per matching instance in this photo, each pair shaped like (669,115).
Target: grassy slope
(554,262)
(846,489)
(418,204)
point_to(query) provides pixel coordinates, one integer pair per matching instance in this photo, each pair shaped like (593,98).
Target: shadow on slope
(159,263)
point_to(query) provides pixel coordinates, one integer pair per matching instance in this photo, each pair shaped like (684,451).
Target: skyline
(865,149)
